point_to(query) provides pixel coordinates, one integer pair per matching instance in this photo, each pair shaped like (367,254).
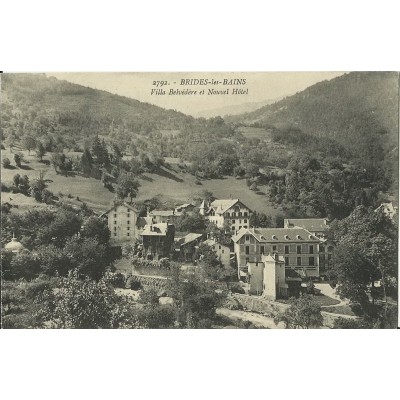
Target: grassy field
(320,299)
(171,183)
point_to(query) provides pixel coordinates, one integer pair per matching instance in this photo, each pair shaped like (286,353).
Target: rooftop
(274,235)
(221,206)
(160,229)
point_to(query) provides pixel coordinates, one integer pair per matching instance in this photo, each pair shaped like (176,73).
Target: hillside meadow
(169,183)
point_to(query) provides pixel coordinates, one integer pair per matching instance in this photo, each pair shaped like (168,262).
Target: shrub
(6,162)
(237,288)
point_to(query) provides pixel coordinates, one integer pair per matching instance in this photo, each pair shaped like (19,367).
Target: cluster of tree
(366,254)
(303,313)
(315,187)
(55,243)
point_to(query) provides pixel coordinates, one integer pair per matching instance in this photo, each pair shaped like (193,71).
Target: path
(328,291)
(255,318)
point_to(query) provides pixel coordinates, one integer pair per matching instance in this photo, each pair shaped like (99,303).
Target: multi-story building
(320,228)
(231,213)
(158,241)
(122,223)
(298,247)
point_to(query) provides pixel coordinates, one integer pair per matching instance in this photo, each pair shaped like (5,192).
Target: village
(189,223)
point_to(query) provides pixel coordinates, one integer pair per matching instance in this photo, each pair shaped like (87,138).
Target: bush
(232,304)
(116,279)
(6,162)
(4,187)
(237,288)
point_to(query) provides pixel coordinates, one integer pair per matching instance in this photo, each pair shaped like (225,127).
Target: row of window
(237,214)
(128,222)
(240,227)
(274,248)
(128,215)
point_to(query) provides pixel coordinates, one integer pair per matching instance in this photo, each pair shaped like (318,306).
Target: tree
(84,304)
(366,251)
(260,220)
(40,151)
(303,313)
(6,162)
(95,228)
(88,257)
(28,142)
(53,260)
(191,222)
(127,185)
(208,260)
(86,162)
(18,159)
(16,179)
(37,187)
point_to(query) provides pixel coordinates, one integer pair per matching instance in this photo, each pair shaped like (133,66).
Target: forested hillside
(359,111)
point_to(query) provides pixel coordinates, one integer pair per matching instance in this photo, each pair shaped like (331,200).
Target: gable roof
(311,224)
(131,207)
(278,235)
(223,205)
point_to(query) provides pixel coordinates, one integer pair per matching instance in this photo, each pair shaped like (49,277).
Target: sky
(261,86)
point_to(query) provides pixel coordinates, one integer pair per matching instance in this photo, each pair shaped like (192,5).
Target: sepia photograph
(199,200)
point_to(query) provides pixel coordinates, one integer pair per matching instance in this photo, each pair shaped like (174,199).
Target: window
(298,249)
(286,249)
(245,221)
(115,233)
(298,260)
(128,228)
(222,251)
(128,222)
(247,249)
(115,229)
(115,215)
(321,249)
(219,247)
(247,238)
(262,249)
(233,228)
(245,214)
(286,261)
(311,249)
(245,226)
(127,234)
(274,248)
(240,227)
(311,261)
(115,222)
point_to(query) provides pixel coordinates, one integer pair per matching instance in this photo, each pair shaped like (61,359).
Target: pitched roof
(278,235)
(160,229)
(311,224)
(190,237)
(162,213)
(131,207)
(221,206)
